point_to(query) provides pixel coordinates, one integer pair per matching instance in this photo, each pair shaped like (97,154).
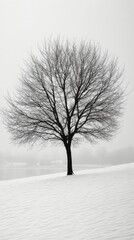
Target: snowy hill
(94,204)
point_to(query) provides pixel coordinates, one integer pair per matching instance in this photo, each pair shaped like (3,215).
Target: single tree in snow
(69,93)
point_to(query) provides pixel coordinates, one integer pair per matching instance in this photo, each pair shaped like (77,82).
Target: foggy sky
(25,23)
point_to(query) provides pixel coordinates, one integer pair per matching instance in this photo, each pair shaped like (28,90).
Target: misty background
(24,24)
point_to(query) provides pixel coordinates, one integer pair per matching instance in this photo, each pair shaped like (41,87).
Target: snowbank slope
(96,204)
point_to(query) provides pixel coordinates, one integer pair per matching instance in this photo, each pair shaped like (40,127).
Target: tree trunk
(69,160)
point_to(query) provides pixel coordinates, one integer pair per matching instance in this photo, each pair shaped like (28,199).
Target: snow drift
(95,204)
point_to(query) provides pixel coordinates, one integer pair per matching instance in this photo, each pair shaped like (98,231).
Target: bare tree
(68,93)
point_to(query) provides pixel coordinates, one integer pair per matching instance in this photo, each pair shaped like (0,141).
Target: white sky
(25,23)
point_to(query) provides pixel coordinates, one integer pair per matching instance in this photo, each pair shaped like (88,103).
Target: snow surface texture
(95,204)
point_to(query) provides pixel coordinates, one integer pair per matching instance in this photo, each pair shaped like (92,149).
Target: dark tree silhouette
(68,93)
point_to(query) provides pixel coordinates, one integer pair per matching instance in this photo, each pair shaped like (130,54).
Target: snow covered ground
(95,204)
